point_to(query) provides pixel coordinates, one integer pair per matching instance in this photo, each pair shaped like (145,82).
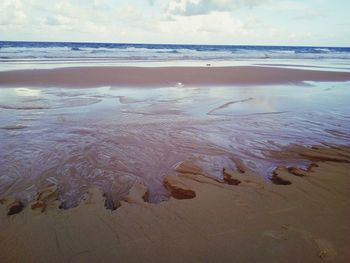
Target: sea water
(27,55)
(81,138)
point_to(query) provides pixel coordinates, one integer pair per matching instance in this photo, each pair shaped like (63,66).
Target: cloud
(52,21)
(177,21)
(309,14)
(201,7)
(12,13)
(151,2)
(214,28)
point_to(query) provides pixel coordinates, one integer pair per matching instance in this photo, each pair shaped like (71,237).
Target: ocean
(14,54)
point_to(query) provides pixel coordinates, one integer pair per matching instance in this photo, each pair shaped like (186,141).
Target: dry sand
(164,76)
(304,218)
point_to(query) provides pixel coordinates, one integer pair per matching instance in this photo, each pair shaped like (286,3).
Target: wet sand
(211,174)
(241,218)
(164,76)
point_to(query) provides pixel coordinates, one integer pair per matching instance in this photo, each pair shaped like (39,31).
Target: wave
(11,51)
(174,51)
(322,50)
(317,51)
(99,51)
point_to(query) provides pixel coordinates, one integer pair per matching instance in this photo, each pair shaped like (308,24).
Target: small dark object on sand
(15,208)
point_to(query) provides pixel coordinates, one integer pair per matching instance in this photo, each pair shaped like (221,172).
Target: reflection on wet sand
(110,138)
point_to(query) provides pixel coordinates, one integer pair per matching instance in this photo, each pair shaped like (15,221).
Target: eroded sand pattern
(206,219)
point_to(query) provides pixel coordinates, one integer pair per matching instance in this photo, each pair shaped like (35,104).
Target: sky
(232,22)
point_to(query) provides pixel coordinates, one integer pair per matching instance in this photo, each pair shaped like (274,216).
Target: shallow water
(110,137)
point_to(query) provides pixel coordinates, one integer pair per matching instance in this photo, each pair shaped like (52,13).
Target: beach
(174,163)
(248,221)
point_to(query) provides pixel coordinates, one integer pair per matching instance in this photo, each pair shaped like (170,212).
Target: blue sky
(255,22)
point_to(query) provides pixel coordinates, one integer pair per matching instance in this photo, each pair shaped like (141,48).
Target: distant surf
(13,50)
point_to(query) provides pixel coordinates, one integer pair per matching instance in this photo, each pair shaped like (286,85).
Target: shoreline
(165,76)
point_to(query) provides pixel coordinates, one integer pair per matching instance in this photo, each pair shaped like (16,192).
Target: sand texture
(303,217)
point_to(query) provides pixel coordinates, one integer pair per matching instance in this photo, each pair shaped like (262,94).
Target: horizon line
(170,44)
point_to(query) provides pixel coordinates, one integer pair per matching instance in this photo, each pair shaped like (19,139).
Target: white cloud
(12,13)
(175,21)
(216,27)
(309,14)
(200,7)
